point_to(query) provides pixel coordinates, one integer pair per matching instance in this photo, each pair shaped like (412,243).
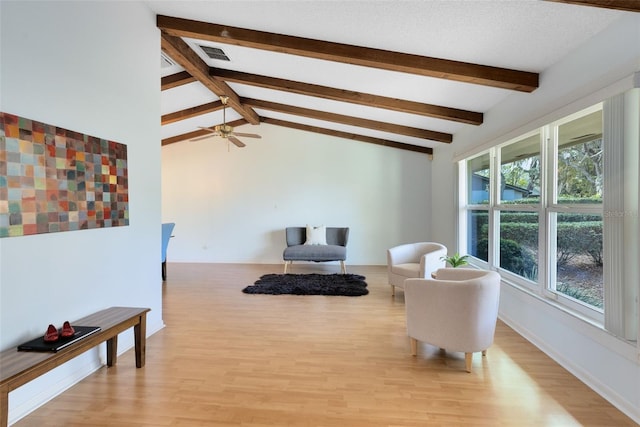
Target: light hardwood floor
(227,358)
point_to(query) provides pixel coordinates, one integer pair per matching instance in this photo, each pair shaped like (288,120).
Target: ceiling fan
(224,130)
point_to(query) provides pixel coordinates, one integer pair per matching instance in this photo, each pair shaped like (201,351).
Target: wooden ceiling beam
(351,121)
(627,5)
(175,80)
(191,112)
(393,61)
(343,95)
(347,135)
(180,52)
(198,133)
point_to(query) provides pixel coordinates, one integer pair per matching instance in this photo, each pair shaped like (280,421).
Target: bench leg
(112,351)
(140,336)
(4,406)
(414,346)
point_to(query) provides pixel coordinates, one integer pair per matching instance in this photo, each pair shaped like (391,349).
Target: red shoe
(67,330)
(51,335)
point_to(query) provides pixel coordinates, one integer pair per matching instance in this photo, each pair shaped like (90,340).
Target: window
(518,243)
(537,209)
(575,208)
(478,191)
(478,180)
(580,160)
(478,238)
(519,206)
(520,171)
(578,261)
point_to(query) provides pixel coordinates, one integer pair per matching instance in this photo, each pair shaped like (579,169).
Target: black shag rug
(351,285)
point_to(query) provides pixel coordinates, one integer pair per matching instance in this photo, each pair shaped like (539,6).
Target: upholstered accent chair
(413,261)
(167,229)
(332,247)
(457,311)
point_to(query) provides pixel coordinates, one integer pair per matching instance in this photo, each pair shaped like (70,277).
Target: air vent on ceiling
(214,53)
(165,61)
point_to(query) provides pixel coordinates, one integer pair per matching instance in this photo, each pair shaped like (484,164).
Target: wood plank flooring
(230,359)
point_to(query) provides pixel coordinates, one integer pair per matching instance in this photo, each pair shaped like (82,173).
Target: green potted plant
(456,260)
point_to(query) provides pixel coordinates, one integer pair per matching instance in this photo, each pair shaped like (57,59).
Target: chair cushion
(407,270)
(318,253)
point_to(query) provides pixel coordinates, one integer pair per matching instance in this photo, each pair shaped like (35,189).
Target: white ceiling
(526,35)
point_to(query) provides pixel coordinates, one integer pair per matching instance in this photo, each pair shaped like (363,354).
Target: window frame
(553,207)
(546,209)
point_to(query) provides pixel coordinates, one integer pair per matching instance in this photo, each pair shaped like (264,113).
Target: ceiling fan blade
(247,135)
(209,129)
(200,138)
(236,141)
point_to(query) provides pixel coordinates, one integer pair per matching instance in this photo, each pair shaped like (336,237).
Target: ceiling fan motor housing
(224,130)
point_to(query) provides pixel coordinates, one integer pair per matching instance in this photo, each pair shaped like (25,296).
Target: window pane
(478,234)
(520,171)
(478,180)
(579,257)
(580,160)
(519,243)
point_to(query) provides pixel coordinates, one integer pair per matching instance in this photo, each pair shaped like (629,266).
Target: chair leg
(286,265)
(164,270)
(484,353)
(343,267)
(467,361)
(393,290)
(414,346)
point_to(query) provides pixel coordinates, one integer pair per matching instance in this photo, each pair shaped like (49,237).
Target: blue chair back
(167,229)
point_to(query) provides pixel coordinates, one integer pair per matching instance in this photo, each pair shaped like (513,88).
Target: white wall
(601,68)
(232,205)
(91,67)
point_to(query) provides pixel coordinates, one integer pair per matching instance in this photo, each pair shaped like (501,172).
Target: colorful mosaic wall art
(54,179)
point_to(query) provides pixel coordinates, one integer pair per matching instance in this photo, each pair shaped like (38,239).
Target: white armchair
(413,260)
(456,312)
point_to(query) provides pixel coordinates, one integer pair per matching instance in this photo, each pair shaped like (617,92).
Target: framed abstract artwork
(53,179)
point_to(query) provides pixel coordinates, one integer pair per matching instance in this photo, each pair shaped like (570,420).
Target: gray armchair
(334,250)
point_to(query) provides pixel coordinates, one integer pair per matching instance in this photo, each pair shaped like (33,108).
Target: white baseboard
(153,328)
(596,384)
(36,393)
(41,390)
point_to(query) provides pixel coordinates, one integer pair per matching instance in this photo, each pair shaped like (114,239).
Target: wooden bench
(19,367)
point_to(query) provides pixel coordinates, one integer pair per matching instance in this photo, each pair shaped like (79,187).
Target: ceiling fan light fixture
(224,130)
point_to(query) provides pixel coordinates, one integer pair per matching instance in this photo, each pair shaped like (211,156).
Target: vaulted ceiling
(407,75)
